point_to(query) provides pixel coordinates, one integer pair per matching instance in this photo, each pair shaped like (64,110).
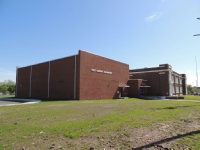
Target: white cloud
(7,75)
(153,17)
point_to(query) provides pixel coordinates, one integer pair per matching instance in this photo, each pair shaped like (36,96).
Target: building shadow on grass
(150,145)
(175,107)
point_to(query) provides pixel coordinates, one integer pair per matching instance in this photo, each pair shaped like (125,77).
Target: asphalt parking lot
(17,101)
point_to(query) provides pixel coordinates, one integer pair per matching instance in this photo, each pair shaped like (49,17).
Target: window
(176,79)
(180,81)
(171,89)
(142,92)
(172,79)
(181,89)
(177,89)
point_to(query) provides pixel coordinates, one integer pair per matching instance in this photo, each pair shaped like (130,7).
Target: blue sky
(140,33)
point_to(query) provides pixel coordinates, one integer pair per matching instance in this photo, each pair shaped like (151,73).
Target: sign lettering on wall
(101,71)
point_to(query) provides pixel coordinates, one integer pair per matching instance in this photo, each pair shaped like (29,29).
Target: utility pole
(196,61)
(196,73)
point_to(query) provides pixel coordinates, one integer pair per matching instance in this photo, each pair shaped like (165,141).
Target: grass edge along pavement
(72,119)
(7,96)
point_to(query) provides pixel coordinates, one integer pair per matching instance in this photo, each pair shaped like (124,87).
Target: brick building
(157,81)
(90,76)
(81,76)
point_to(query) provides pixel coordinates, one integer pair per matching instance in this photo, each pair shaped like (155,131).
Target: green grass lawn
(191,97)
(6,96)
(28,125)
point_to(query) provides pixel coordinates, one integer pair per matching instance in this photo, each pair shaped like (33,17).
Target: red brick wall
(89,85)
(134,90)
(39,80)
(159,82)
(164,84)
(77,76)
(61,83)
(62,78)
(23,82)
(184,84)
(161,67)
(95,85)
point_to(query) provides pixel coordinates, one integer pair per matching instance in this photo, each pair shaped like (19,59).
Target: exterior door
(141,91)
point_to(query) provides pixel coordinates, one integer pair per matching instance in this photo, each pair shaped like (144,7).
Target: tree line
(192,89)
(7,87)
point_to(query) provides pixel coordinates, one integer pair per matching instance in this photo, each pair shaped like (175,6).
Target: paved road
(15,101)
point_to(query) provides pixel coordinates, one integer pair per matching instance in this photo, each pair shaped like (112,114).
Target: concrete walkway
(17,101)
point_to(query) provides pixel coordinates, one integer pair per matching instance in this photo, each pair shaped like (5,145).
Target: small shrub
(71,135)
(170,107)
(95,130)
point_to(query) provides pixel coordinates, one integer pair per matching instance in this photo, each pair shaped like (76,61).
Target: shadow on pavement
(19,100)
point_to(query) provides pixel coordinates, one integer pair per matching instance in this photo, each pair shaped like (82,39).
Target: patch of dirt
(159,136)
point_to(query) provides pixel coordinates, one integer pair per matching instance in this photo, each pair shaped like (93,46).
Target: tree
(7,86)
(3,88)
(190,88)
(196,89)
(11,88)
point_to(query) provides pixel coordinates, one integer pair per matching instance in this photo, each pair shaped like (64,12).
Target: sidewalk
(17,101)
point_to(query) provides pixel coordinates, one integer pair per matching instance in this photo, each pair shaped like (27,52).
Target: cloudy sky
(140,33)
